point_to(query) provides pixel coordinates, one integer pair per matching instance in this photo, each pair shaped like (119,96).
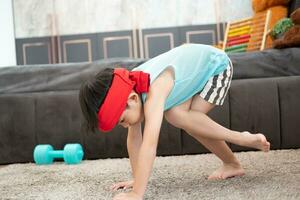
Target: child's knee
(175,117)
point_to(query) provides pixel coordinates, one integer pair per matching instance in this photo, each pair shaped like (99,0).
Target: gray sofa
(39,104)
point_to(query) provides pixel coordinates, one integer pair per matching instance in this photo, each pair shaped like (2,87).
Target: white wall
(7,35)
(33,17)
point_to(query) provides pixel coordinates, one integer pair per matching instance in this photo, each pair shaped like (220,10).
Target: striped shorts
(216,88)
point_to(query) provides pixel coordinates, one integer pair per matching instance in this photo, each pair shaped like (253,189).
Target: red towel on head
(116,99)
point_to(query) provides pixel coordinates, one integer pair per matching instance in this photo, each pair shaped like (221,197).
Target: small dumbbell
(44,154)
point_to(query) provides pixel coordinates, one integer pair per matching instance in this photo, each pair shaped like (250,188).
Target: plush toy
(278,10)
(291,37)
(261,5)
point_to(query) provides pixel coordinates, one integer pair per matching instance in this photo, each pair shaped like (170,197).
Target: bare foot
(257,141)
(227,171)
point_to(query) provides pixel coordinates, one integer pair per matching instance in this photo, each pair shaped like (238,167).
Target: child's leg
(196,122)
(213,141)
(190,117)
(231,166)
(200,124)
(218,147)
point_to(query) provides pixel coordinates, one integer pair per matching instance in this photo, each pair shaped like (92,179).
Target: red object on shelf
(241,41)
(239,37)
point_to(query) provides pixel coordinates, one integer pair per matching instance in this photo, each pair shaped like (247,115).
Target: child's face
(133,113)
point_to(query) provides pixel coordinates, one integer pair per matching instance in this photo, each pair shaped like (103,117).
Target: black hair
(91,96)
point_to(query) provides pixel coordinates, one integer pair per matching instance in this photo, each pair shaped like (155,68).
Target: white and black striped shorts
(216,88)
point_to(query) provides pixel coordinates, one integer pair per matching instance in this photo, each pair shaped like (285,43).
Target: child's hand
(123,185)
(127,196)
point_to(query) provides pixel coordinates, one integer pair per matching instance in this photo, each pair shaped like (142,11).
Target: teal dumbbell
(45,154)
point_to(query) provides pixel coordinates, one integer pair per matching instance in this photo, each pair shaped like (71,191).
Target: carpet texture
(273,175)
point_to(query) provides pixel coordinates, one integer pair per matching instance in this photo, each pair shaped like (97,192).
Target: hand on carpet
(122,185)
(127,196)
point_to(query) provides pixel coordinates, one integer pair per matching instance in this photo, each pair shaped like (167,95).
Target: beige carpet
(273,175)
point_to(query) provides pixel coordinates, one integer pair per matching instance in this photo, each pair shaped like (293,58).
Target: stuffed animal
(291,38)
(278,10)
(262,5)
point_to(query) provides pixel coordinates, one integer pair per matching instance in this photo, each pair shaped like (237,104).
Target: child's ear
(133,96)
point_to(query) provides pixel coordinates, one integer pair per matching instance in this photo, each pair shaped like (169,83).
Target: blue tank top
(193,65)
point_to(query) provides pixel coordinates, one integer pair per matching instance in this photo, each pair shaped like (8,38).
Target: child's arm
(153,111)
(148,148)
(134,141)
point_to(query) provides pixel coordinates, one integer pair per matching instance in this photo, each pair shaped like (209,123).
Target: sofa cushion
(58,77)
(106,145)
(289,93)
(17,128)
(58,118)
(267,63)
(169,140)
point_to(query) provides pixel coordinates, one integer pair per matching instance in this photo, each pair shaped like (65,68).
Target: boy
(181,85)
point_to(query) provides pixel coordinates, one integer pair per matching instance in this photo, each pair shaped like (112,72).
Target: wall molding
(153,35)
(86,41)
(35,44)
(106,40)
(145,43)
(199,32)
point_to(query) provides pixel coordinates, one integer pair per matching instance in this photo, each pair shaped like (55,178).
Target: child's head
(112,97)
(134,112)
